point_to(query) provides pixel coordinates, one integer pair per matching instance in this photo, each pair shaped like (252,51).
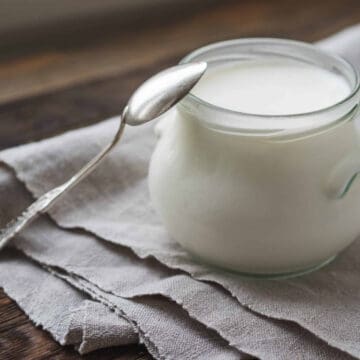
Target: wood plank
(64,63)
(46,115)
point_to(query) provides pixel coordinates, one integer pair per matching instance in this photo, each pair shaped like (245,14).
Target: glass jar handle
(343,175)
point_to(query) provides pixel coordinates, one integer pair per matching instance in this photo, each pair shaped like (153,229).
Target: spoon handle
(44,202)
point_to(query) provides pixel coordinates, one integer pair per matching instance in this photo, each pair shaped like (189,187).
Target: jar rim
(273,45)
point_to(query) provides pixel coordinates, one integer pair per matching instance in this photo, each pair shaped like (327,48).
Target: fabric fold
(59,308)
(150,317)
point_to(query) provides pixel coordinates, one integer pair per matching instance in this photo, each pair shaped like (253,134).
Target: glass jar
(260,201)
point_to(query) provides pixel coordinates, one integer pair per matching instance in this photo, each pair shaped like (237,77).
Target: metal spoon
(154,97)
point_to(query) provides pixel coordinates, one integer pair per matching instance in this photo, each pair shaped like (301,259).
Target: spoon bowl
(161,92)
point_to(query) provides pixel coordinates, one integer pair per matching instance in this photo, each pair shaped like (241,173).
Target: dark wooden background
(86,73)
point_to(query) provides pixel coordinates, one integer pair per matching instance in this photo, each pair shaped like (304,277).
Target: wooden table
(77,80)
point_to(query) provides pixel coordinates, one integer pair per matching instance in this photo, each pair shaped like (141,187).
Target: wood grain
(53,65)
(61,85)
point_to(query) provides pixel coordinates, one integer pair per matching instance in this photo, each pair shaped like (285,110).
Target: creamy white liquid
(256,204)
(271,87)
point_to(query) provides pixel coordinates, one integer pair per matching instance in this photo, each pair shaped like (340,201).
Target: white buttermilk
(252,204)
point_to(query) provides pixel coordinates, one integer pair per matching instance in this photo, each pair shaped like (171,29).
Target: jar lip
(273,41)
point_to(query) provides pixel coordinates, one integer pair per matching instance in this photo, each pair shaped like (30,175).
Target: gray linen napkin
(117,271)
(157,321)
(69,315)
(174,314)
